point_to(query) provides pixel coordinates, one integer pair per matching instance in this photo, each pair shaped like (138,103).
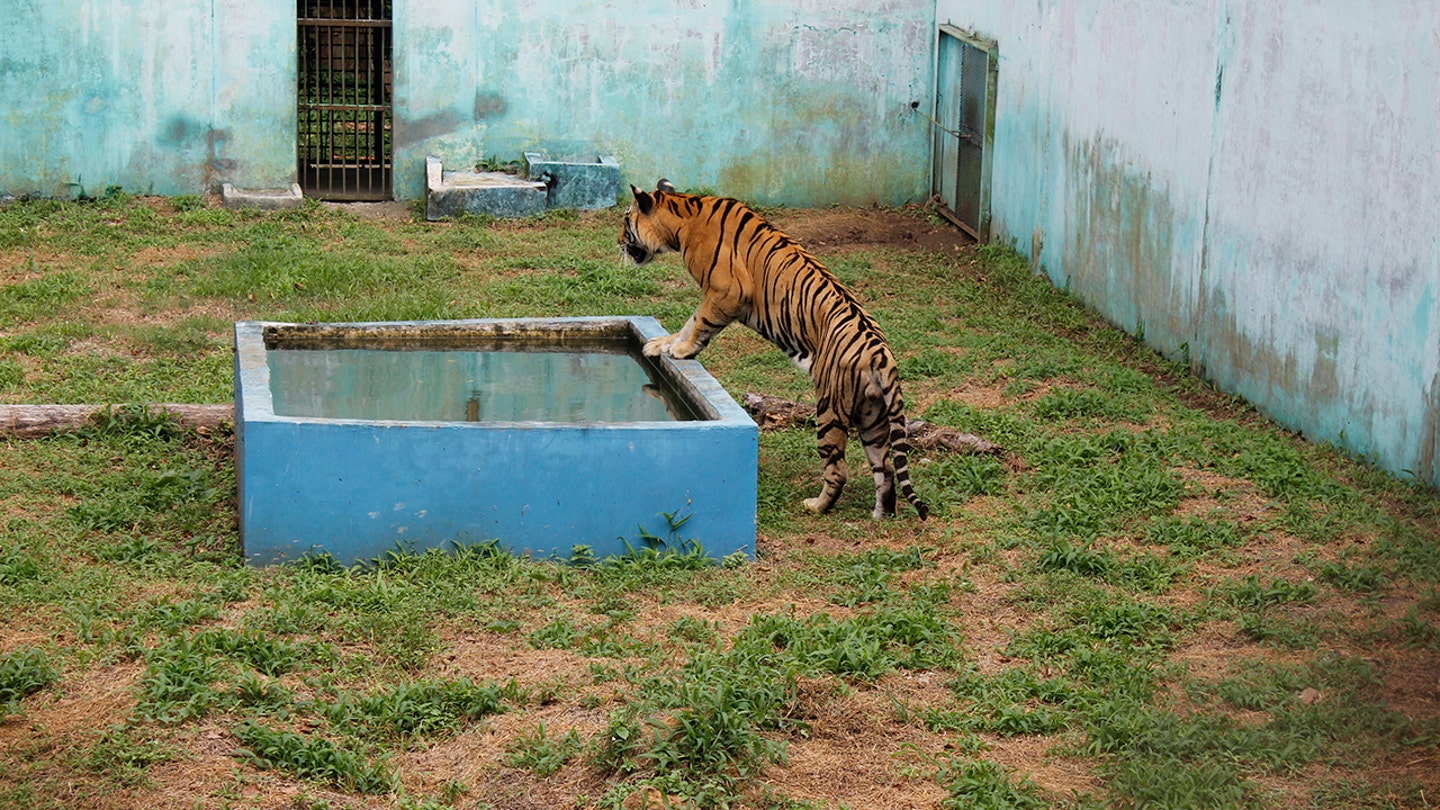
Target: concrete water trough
(359,439)
(584,182)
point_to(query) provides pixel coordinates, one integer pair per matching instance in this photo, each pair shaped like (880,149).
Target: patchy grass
(1154,598)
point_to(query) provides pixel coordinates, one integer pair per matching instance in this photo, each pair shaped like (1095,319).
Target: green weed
(419,709)
(29,301)
(1212,784)
(23,673)
(18,567)
(1191,537)
(127,752)
(1251,593)
(712,722)
(985,785)
(1354,579)
(1097,484)
(263,695)
(314,758)
(541,754)
(868,577)
(953,480)
(1278,631)
(181,683)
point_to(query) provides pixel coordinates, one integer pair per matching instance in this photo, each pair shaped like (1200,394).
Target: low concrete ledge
(266,199)
(450,193)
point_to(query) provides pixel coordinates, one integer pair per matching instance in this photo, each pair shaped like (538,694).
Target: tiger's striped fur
(748,271)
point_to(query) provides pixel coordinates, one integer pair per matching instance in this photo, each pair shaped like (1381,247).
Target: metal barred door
(345,112)
(965,126)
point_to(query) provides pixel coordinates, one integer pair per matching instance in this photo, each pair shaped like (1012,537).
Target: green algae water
(592,383)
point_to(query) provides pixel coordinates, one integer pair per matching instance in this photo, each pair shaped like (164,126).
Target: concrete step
(451,193)
(267,199)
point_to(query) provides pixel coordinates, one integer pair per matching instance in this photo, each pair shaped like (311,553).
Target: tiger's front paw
(682,350)
(654,347)
(672,345)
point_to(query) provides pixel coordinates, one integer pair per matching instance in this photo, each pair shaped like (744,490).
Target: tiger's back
(750,271)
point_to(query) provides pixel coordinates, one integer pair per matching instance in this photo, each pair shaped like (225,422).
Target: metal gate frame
(966,74)
(344,109)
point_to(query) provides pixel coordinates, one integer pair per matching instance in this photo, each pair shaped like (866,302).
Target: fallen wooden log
(928,437)
(775,413)
(31,421)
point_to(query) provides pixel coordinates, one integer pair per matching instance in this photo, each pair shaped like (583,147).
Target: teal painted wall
(802,103)
(164,98)
(1251,185)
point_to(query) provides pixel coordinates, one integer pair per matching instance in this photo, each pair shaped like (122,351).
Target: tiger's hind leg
(878,452)
(875,437)
(830,439)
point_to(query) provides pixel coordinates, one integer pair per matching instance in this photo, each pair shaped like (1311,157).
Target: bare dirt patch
(492,656)
(856,228)
(168,256)
(18,266)
(73,717)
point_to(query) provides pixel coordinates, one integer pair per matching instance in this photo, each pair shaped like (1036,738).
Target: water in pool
(576,384)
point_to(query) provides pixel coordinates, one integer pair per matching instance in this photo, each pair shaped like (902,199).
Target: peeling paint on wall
(1427,465)
(146,97)
(1251,185)
(801,104)
(1119,250)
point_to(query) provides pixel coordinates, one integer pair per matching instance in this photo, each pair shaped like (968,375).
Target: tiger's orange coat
(748,271)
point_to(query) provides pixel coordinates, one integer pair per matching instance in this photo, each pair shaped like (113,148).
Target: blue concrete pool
(360,439)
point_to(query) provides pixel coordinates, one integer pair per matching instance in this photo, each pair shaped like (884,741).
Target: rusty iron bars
(345,109)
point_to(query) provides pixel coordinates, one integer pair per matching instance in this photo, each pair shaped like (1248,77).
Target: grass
(23,673)
(1153,598)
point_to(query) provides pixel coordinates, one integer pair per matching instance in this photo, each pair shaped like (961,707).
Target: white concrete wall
(1252,185)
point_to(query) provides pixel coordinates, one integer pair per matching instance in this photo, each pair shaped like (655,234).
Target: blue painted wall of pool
(358,489)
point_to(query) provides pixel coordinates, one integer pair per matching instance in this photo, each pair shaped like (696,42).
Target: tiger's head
(643,237)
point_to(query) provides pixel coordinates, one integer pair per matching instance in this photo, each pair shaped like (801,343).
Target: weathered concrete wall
(1251,185)
(166,98)
(803,103)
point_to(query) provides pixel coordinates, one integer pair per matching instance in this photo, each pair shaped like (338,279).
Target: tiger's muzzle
(633,248)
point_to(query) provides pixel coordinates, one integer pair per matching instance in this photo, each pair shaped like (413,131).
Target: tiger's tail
(900,451)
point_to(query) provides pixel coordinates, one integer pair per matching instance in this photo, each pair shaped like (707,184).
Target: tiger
(751,272)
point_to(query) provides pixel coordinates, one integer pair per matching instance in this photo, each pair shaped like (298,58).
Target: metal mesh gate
(965,127)
(344,143)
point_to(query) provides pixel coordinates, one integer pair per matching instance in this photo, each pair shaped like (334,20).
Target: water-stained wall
(802,103)
(164,98)
(1252,185)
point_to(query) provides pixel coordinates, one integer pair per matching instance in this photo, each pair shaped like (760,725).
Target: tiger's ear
(665,185)
(643,200)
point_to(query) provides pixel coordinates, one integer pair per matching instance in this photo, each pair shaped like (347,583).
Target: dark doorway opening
(345,110)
